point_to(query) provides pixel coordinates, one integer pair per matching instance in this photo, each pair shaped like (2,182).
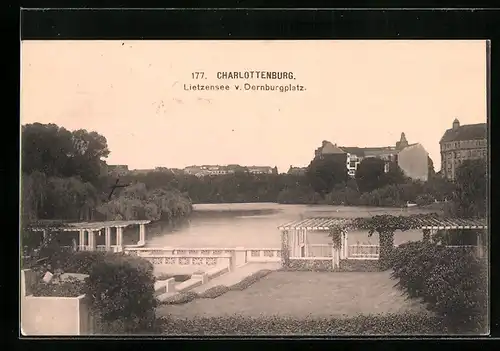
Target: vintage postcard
(319,188)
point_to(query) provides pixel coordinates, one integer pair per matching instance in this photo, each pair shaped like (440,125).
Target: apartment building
(460,143)
(411,158)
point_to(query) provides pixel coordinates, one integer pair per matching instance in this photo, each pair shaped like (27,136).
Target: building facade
(462,143)
(327,150)
(411,158)
(297,170)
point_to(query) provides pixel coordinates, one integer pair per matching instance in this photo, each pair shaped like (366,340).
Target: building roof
(328,148)
(466,132)
(65,226)
(368,151)
(429,222)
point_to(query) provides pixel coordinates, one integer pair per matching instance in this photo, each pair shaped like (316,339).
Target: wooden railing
(363,252)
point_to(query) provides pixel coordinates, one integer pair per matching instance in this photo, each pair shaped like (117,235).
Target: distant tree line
(63,178)
(327,182)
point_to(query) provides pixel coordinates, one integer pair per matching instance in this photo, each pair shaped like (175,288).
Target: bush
(181,298)
(82,261)
(424,199)
(452,282)
(389,324)
(121,287)
(214,292)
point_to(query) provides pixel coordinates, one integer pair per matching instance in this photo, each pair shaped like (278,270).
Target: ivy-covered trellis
(385,226)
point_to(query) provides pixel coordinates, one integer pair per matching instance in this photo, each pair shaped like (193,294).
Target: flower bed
(64,289)
(216,291)
(390,324)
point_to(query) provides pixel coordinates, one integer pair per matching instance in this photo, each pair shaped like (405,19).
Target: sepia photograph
(254,188)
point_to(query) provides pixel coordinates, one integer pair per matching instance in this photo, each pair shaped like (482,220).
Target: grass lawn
(302,295)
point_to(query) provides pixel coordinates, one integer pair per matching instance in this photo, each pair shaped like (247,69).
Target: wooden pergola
(87,232)
(295,232)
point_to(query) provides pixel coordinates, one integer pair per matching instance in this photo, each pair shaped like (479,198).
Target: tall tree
(57,152)
(324,173)
(370,174)
(471,189)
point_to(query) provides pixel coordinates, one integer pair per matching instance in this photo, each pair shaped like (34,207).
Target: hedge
(453,283)
(387,324)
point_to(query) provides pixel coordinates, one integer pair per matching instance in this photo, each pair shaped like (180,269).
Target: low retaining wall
(48,315)
(164,286)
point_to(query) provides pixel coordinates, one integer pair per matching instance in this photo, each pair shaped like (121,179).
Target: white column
(81,237)
(306,244)
(107,238)
(346,245)
(142,234)
(91,240)
(119,238)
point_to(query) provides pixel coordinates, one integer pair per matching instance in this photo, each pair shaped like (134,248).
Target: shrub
(424,199)
(388,324)
(181,298)
(82,261)
(121,287)
(452,282)
(214,292)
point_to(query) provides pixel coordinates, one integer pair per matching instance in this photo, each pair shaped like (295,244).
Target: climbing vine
(285,251)
(336,234)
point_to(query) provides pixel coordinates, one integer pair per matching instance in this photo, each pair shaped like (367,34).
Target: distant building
(117,170)
(262,170)
(297,170)
(216,170)
(462,143)
(411,158)
(141,171)
(327,150)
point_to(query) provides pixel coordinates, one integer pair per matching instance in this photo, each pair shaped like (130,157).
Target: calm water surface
(255,225)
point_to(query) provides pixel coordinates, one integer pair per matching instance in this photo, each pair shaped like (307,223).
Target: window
(470,153)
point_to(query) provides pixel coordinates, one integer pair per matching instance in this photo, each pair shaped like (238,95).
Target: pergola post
(142,234)
(107,238)
(81,239)
(119,238)
(92,245)
(345,245)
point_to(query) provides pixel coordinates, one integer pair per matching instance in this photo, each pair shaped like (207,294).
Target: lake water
(256,225)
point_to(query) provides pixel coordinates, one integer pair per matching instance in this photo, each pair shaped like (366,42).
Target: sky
(356,93)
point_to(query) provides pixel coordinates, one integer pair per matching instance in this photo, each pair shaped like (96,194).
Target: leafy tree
(57,152)
(431,172)
(370,174)
(471,189)
(324,173)
(394,175)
